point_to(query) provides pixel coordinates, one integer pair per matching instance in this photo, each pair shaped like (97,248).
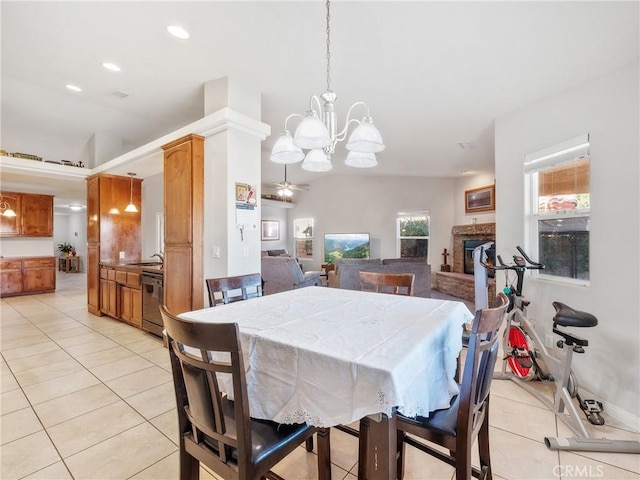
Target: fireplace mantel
(474,229)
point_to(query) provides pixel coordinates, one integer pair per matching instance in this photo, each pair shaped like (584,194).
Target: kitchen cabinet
(108,292)
(26,275)
(34,215)
(113,235)
(183,223)
(10,277)
(131,306)
(121,293)
(38,275)
(37,215)
(130,297)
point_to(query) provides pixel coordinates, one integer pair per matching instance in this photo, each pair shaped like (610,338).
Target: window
(559,208)
(413,234)
(303,237)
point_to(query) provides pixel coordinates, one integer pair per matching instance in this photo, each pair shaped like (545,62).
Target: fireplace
(459,281)
(469,246)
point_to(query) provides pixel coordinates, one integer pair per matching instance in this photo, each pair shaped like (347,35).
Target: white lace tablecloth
(328,356)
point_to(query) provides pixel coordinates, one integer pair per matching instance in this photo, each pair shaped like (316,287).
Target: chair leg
(363,445)
(189,466)
(483,447)
(309,444)
(463,457)
(400,454)
(324,454)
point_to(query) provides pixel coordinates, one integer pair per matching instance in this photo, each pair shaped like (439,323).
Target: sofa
(346,271)
(284,273)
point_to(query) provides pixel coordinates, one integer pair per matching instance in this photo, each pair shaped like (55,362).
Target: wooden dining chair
(215,430)
(396,283)
(456,427)
(249,285)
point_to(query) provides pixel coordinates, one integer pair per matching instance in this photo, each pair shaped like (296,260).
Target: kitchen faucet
(159,255)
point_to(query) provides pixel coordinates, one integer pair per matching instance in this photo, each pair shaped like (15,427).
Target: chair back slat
(395,283)
(479,364)
(250,286)
(202,351)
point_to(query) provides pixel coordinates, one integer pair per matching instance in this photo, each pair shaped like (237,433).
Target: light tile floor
(88,397)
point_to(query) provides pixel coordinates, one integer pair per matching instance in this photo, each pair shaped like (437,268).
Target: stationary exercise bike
(527,358)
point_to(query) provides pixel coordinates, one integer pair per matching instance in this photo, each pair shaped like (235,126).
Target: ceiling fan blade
(304,187)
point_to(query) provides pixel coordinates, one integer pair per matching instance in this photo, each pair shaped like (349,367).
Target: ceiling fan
(285,189)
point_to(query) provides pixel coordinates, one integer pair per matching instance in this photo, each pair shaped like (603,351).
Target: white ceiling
(434,73)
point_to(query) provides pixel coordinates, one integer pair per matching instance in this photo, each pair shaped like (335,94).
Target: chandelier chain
(328,48)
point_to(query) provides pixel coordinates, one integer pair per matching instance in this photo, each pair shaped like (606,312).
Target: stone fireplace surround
(456,282)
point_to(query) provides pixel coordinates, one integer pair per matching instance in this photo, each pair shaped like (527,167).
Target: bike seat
(568,317)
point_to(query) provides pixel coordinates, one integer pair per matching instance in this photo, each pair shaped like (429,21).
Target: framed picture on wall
(481,199)
(270,230)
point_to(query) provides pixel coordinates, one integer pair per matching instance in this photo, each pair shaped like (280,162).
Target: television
(345,245)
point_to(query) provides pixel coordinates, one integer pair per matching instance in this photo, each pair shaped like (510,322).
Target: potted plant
(66,248)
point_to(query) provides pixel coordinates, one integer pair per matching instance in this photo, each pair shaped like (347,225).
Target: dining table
(327,356)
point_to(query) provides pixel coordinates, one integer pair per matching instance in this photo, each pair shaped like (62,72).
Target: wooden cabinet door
(108,297)
(37,215)
(113,299)
(38,275)
(10,277)
(93,210)
(10,226)
(177,205)
(136,308)
(125,304)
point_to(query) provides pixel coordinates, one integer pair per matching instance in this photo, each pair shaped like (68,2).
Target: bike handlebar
(520,263)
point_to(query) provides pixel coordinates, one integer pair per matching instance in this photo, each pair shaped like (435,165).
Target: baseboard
(621,416)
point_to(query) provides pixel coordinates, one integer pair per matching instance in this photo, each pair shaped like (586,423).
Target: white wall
(280,215)
(467,183)
(608,109)
(355,204)
(72,228)
(152,205)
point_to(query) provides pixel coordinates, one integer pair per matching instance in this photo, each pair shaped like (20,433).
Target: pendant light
(318,131)
(131,207)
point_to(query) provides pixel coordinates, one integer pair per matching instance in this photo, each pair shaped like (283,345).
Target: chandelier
(318,132)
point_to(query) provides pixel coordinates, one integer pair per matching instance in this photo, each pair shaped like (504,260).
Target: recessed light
(111,66)
(74,88)
(178,31)
(75,207)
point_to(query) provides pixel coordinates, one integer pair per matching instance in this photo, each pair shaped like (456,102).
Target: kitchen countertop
(132,267)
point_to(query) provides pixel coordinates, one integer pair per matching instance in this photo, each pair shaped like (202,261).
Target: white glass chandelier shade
(316,161)
(284,151)
(312,133)
(318,131)
(361,160)
(365,138)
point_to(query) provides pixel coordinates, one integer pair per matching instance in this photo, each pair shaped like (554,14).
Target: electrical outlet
(215,252)
(548,340)
(121,255)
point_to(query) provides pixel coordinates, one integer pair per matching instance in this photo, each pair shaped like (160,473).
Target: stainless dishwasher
(152,298)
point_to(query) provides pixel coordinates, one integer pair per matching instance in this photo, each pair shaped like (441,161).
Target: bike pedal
(591,406)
